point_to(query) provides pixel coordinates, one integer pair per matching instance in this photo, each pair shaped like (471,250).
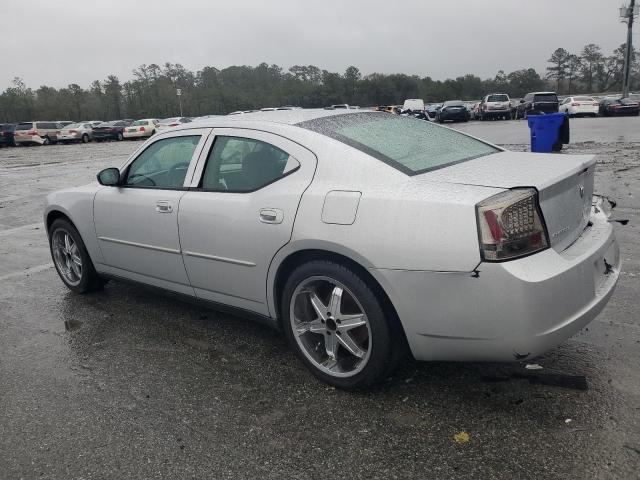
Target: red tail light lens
(510,225)
(142,129)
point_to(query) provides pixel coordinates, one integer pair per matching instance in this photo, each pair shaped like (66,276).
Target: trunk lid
(564,184)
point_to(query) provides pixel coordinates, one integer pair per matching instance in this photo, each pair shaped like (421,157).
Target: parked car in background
(432,110)
(453,111)
(94,123)
(141,128)
(474,111)
(7,134)
(610,107)
(513,106)
(495,105)
(413,105)
(36,133)
(64,123)
(579,106)
(113,130)
(546,102)
(493,255)
(167,123)
(75,133)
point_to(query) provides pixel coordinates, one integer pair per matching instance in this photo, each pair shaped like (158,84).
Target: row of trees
(591,70)
(152,90)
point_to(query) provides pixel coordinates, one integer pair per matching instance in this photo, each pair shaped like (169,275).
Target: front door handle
(162,206)
(271,215)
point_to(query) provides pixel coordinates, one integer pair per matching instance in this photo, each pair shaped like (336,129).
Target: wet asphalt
(127,383)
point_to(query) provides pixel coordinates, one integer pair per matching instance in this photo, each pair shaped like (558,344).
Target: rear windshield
(583,99)
(74,125)
(497,98)
(140,122)
(24,126)
(545,97)
(453,103)
(169,120)
(410,145)
(107,124)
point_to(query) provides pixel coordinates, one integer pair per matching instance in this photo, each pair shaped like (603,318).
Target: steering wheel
(131,180)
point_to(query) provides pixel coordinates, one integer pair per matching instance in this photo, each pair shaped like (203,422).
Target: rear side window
(24,126)
(410,145)
(163,164)
(239,164)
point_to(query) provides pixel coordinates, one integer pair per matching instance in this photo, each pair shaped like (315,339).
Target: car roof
(283,117)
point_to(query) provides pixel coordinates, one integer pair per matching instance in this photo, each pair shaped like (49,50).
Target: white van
(413,104)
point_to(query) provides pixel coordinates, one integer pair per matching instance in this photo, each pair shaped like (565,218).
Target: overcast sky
(57,42)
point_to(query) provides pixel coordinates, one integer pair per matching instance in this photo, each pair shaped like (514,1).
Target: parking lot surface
(126,383)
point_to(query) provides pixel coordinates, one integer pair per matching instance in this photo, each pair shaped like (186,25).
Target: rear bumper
(29,140)
(509,311)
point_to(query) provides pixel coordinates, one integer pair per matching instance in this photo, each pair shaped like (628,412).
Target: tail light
(510,225)
(142,129)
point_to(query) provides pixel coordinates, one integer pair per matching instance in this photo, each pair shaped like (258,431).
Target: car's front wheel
(119,137)
(71,259)
(338,326)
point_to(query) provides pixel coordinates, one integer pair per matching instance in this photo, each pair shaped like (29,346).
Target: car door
(137,222)
(239,212)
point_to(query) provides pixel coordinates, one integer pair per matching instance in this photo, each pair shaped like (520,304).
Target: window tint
(497,98)
(546,97)
(412,146)
(243,165)
(24,126)
(164,163)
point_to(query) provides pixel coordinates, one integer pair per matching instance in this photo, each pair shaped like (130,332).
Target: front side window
(410,145)
(243,165)
(163,164)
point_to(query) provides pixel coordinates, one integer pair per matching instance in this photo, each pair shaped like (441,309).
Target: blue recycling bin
(548,131)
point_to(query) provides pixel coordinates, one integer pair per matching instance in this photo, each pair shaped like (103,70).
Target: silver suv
(495,105)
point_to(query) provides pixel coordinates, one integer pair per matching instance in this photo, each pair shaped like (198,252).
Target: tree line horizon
(151,93)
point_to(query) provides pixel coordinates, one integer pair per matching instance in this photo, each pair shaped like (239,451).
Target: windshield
(497,98)
(410,145)
(545,97)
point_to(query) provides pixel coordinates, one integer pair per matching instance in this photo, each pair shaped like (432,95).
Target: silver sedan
(363,236)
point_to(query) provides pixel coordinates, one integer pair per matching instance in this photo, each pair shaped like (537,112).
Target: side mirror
(109,177)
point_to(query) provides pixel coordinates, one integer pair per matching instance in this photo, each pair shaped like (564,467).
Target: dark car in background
(537,102)
(7,134)
(610,107)
(113,130)
(454,111)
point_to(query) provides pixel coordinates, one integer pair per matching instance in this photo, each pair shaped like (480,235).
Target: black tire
(46,141)
(388,346)
(119,137)
(89,280)
(85,138)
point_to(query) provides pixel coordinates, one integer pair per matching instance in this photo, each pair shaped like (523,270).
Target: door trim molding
(141,245)
(234,261)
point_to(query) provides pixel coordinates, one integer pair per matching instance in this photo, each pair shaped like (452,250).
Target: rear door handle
(163,206)
(271,215)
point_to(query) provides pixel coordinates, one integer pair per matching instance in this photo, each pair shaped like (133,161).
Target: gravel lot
(127,384)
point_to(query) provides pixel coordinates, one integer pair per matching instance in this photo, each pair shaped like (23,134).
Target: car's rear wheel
(119,137)
(337,325)
(46,141)
(71,259)
(85,138)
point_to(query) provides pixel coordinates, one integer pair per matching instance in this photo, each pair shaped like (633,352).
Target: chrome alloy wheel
(67,257)
(330,326)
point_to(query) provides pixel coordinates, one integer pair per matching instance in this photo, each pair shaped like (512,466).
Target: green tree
(591,57)
(558,69)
